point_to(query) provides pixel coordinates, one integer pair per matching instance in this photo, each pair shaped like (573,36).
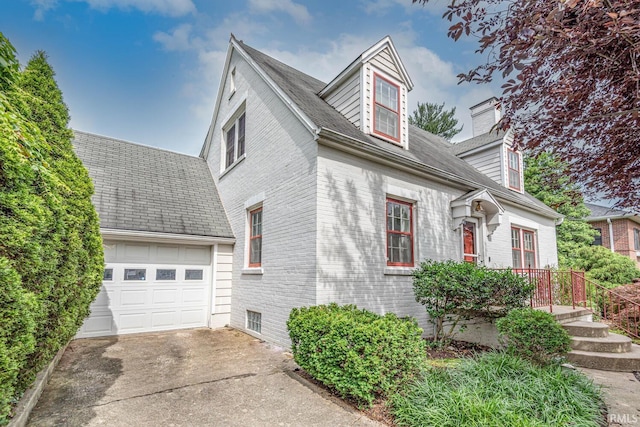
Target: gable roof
(147,189)
(477,142)
(430,152)
(599,212)
(385,43)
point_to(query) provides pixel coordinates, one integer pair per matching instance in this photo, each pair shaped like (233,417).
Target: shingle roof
(424,147)
(598,211)
(477,142)
(139,188)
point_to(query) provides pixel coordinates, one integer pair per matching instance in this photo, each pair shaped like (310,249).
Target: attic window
(386,98)
(514,169)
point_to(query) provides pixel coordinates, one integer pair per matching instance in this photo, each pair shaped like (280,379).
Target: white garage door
(150,287)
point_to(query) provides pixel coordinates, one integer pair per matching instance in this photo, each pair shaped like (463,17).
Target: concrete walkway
(195,377)
(621,392)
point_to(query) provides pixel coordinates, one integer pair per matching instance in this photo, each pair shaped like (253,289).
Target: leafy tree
(432,118)
(51,256)
(546,178)
(609,269)
(571,70)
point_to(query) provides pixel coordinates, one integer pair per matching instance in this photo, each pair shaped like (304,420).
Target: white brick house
(333,197)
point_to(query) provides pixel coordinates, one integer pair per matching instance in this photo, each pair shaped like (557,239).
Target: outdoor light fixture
(479,207)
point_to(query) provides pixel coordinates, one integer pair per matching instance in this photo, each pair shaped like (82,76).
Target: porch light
(479,207)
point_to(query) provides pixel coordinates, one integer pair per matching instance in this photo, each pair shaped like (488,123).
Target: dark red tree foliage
(572,81)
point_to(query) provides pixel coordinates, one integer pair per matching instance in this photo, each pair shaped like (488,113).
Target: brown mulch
(379,411)
(456,350)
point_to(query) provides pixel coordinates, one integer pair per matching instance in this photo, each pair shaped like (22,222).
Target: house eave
(159,237)
(632,217)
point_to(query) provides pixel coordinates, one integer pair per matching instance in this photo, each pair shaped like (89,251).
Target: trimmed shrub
(360,354)
(534,335)
(455,291)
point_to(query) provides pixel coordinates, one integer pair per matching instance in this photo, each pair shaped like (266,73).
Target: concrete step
(586,329)
(566,314)
(612,343)
(619,362)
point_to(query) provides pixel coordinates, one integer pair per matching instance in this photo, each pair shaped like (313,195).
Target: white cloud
(42,6)
(173,8)
(179,39)
(298,12)
(163,7)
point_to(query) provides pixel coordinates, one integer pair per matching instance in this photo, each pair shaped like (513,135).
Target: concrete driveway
(191,377)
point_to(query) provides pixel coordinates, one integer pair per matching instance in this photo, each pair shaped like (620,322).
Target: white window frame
(231,121)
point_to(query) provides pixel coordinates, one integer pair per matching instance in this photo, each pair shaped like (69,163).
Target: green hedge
(51,258)
(360,354)
(534,335)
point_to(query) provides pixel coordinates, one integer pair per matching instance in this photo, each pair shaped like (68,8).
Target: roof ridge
(137,144)
(259,52)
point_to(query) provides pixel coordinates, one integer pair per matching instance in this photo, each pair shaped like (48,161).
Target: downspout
(611,245)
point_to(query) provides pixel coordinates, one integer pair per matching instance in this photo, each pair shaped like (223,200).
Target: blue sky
(148,71)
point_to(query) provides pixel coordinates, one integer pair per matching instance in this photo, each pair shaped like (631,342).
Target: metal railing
(555,287)
(616,310)
(572,288)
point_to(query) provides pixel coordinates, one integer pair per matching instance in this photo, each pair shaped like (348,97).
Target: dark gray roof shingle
(598,211)
(424,147)
(476,142)
(139,188)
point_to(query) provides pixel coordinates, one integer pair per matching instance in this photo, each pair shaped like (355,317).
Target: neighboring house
(333,197)
(619,230)
(168,244)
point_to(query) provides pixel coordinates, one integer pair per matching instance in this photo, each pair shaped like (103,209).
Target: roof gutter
(155,237)
(339,141)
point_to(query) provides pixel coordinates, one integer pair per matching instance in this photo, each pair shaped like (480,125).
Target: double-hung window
(523,248)
(386,120)
(255,238)
(636,238)
(513,163)
(399,233)
(234,139)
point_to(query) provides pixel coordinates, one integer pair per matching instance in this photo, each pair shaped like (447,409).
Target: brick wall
(623,240)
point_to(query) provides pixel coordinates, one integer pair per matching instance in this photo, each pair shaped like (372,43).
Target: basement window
(254,321)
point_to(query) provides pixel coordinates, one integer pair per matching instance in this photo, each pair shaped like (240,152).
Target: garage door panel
(192,317)
(132,298)
(193,295)
(164,319)
(130,321)
(152,299)
(99,324)
(165,296)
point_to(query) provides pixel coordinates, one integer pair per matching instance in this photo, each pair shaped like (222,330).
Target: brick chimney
(484,115)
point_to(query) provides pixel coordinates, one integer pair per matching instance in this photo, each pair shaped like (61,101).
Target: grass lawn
(497,389)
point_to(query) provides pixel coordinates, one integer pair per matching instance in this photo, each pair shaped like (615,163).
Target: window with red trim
(523,248)
(399,233)
(469,249)
(513,160)
(255,238)
(386,115)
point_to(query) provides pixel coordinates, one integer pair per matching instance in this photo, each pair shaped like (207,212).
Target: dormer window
(387,108)
(513,159)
